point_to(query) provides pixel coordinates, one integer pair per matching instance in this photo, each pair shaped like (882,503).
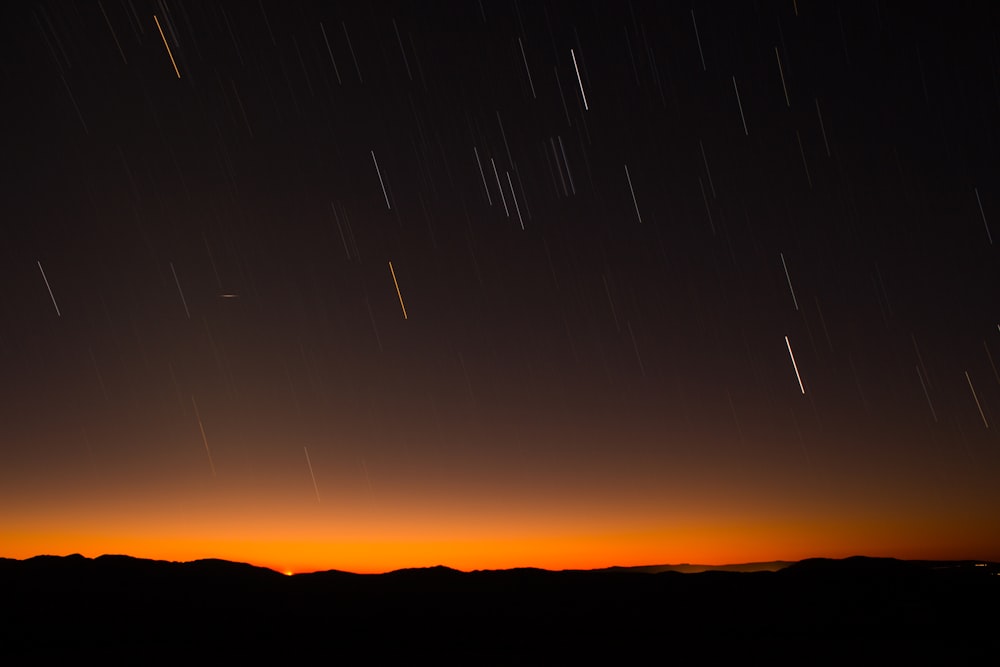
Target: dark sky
(611,225)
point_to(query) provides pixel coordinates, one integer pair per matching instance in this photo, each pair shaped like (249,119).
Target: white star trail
(381,182)
(204,439)
(979,406)
(781,71)
(311,473)
(632,190)
(180,291)
(49,288)
(583,93)
(524,58)
(983,213)
(791,289)
(697,37)
(740,103)
(482,175)
(794,365)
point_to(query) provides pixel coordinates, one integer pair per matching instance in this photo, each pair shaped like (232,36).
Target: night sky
(499,283)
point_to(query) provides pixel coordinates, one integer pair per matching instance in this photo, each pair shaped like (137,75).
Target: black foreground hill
(818,611)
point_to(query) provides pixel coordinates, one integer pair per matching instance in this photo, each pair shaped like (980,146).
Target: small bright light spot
(287,573)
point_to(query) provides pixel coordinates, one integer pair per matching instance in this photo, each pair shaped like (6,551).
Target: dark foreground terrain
(852,611)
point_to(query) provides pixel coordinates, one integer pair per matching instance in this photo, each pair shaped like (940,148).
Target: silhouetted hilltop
(691,568)
(62,606)
(853,565)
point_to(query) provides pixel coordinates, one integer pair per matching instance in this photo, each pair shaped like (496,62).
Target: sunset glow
(550,325)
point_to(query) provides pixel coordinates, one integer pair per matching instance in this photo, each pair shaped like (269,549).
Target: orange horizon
(554,568)
(297,554)
(483,522)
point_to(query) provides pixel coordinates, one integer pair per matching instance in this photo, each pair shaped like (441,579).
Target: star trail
(606,225)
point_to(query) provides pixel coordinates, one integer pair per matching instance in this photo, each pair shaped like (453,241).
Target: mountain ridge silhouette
(119,606)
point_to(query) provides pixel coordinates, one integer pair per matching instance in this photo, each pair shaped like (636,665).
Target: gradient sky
(609,224)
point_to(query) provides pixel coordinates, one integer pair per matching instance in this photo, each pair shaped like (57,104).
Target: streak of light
(506,146)
(975,396)
(135,22)
(805,165)
(632,190)
(420,68)
(631,57)
(232,37)
(311,474)
(169,53)
(982,213)
(920,359)
(781,71)
(400,41)
(708,171)
(398,293)
(336,70)
(263,13)
(992,365)
(527,71)
(708,209)
(789,279)
(926,394)
(203,438)
(698,38)
(350,47)
(794,365)
(513,196)
(500,188)
(579,80)
(742,117)
(482,174)
(49,288)
(180,291)
(635,346)
(524,196)
(822,128)
(569,174)
(340,229)
(72,98)
(111,28)
(381,182)
(555,155)
(211,259)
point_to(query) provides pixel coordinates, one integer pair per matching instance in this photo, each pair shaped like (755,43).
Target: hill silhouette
(811,611)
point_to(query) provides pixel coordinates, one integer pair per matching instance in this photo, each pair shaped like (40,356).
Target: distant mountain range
(770,566)
(813,611)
